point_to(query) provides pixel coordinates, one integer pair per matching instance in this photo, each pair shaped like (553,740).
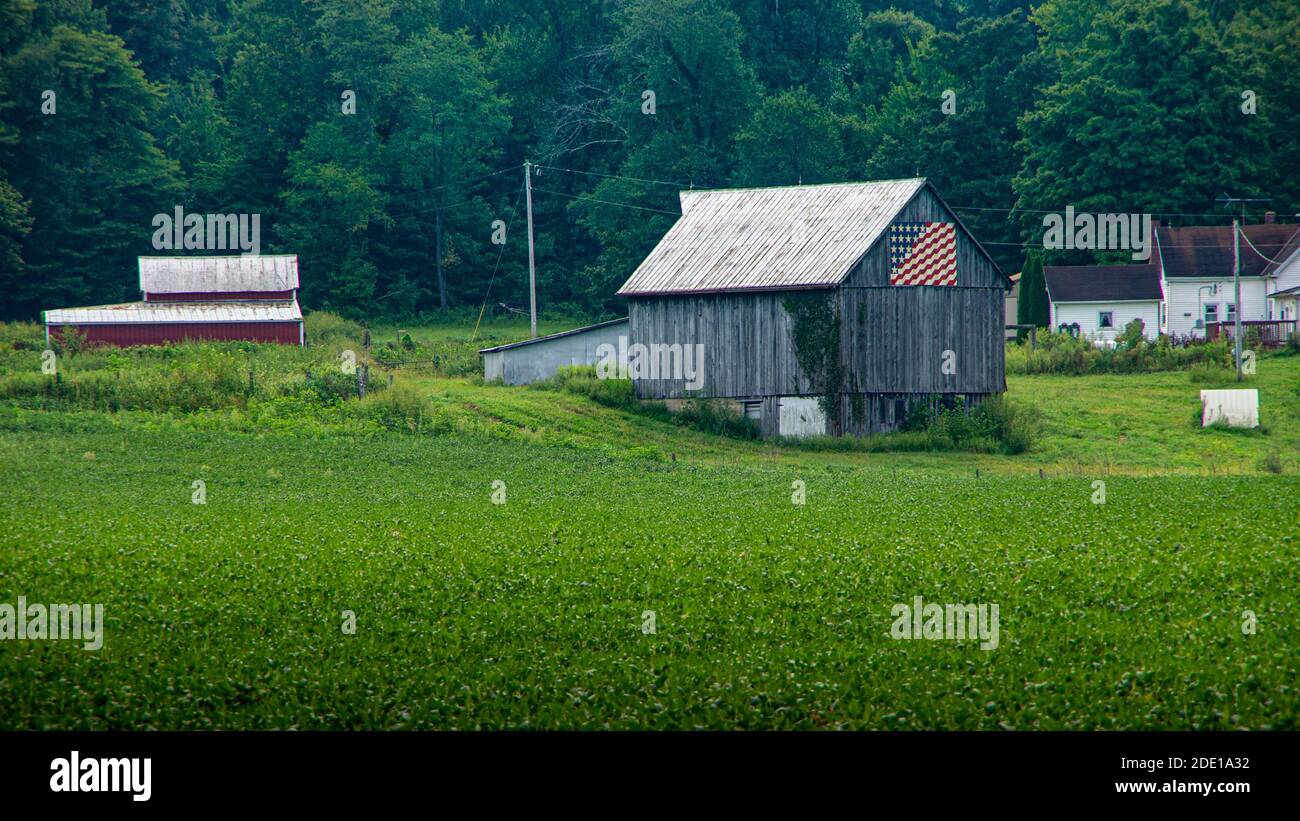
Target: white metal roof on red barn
(189,275)
(799,236)
(177,312)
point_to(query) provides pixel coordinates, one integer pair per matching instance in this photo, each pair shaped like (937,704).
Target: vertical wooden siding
(748,347)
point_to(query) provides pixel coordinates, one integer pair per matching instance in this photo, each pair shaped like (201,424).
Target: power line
(1265,244)
(678,185)
(1059,211)
(502,250)
(408,189)
(607,202)
(1162,245)
(403,214)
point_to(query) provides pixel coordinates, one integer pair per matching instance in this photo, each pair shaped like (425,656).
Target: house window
(1211,313)
(1106,319)
(753,408)
(1232,312)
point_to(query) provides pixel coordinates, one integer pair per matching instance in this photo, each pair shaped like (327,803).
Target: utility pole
(532,268)
(1236,294)
(1236,271)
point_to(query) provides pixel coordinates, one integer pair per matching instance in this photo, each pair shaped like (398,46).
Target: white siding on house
(1285,307)
(1182,296)
(1087,314)
(1286,276)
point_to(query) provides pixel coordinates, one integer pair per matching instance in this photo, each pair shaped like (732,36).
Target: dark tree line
(380,140)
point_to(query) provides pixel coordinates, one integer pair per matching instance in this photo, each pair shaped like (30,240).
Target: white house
(1196,275)
(1102,299)
(1282,282)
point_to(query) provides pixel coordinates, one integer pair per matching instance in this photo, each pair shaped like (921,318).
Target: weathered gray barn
(855,299)
(534,359)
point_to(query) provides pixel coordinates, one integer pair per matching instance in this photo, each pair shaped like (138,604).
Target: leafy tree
(790,139)
(90,172)
(797,43)
(1142,115)
(332,199)
(171,40)
(950,116)
(449,120)
(687,52)
(15,225)
(1266,42)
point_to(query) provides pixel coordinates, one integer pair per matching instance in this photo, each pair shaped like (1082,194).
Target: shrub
(327,328)
(1063,353)
(1133,335)
(582,380)
(716,417)
(329,387)
(1272,463)
(402,407)
(996,424)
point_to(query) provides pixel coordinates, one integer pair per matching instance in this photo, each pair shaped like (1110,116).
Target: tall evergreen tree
(1032,307)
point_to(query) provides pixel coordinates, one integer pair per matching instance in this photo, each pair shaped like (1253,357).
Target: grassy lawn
(531,612)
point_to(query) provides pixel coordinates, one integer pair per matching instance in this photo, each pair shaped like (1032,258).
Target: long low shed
(535,359)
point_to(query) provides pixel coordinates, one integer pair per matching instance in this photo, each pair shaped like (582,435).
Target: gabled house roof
(1289,250)
(1206,250)
(239,274)
(747,239)
(1103,283)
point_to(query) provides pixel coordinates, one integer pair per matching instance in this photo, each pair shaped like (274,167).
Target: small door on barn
(801,416)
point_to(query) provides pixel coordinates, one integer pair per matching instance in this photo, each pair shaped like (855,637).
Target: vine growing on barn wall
(816,336)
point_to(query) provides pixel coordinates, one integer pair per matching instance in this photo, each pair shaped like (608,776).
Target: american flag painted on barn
(923,253)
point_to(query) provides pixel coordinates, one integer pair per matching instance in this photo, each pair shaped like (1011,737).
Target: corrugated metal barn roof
(187,275)
(802,236)
(176,312)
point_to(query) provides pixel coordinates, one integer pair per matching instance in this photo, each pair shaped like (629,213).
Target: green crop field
(450,554)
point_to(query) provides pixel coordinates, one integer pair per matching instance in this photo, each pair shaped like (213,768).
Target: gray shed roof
(583,329)
(252,272)
(799,236)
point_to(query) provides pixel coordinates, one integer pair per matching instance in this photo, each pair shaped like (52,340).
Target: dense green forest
(380,140)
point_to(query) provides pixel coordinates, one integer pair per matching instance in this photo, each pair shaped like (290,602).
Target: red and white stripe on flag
(923,253)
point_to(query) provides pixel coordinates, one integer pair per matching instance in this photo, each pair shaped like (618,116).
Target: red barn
(237,297)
